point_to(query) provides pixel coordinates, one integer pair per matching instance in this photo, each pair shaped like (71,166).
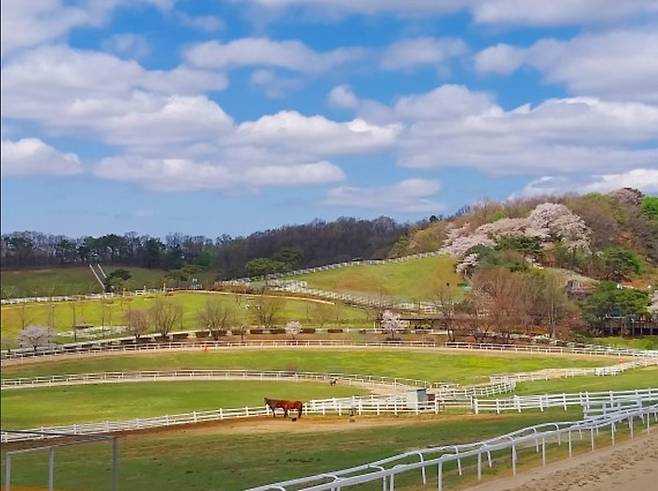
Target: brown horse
(275,404)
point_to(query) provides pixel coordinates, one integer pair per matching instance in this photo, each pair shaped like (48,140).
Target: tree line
(313,244)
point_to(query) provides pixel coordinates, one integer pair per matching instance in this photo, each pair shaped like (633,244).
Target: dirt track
(631,466)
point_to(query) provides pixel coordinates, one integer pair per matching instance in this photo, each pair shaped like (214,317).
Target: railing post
(8,472)
(51,468)
(513,459)
(439,473)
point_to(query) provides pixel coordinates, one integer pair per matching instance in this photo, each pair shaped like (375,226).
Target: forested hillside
(312,244)
(605,236)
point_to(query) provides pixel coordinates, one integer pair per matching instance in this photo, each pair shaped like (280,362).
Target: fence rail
(539,436)
(109,347)
(153,375)
(373,405)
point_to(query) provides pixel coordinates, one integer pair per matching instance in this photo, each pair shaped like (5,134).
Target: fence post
(51,468)
(513,459)
(440,475)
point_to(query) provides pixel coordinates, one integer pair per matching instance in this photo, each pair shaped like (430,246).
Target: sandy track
(631,466)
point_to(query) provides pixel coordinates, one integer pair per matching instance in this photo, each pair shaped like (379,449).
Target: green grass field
(434,366)
(644,342)
(633,379)
(112,312)
(49,406)
(419,279)
(71,280)
(212,458)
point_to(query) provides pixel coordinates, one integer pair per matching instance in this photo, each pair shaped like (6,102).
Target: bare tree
(165,315)
(137,323)
(267,309)
(24,314)
(391,324)
(549,298)
(215,316)
(446,303)
(35,336)
(322,313)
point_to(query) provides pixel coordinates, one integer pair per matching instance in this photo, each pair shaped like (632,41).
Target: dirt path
(631,466)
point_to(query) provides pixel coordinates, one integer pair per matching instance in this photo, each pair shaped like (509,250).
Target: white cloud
(32,156)
(502,59)
(206,23)
(274,85)
(643,179)
(342,96)
(513,12)
(26,23)
(408,196)
(410,53)
(618,64)
(189,175)
(292,55)
(128,44)
(316,134)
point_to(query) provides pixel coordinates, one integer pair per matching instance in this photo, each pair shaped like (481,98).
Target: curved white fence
(374,405)
(95,348)
(539,436)
(394,383)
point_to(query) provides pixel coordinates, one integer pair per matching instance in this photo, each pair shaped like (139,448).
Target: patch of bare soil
(306,424)
(631,466)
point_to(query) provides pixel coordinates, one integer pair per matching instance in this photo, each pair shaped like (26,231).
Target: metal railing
(539,436)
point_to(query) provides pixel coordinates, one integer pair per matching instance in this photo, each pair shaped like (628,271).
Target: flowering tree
(293,328)
(35,336)
(391,324)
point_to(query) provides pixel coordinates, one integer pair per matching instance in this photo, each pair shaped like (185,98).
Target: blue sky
(219,116)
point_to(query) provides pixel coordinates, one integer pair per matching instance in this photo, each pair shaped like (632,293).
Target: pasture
(111,312)
(435,366)
(50,406)
(235,455)
(417,279)
(73,280)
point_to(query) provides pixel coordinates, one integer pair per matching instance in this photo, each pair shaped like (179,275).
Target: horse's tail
(300,409)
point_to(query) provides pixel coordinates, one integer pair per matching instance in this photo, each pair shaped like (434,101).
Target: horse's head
(267,401)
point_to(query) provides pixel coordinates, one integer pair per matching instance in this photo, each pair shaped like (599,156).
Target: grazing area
(417,279)
(645,342)
(234,455)
(112,312)
(50,406)
(640,378)
(436,366)
(71,280)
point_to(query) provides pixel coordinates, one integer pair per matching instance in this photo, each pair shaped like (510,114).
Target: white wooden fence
(422,460)
(109,346)
(393,383)
(373,405)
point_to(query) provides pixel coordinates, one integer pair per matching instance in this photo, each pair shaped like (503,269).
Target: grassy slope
(192,303)
(645,342)
(633,379)
(437,366)
(201,460)
(418,279)
(28,408)
(71,280)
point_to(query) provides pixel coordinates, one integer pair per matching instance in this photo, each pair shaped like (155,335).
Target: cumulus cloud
(127,44)
(501,59)
(342,96)
(408,196)
(645,180)
(513,12)
(205,23)
(29,23)
(295,132)
(291,55)
(189,175)
(407,54)
(617,64)
(273,84)
(29,156)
